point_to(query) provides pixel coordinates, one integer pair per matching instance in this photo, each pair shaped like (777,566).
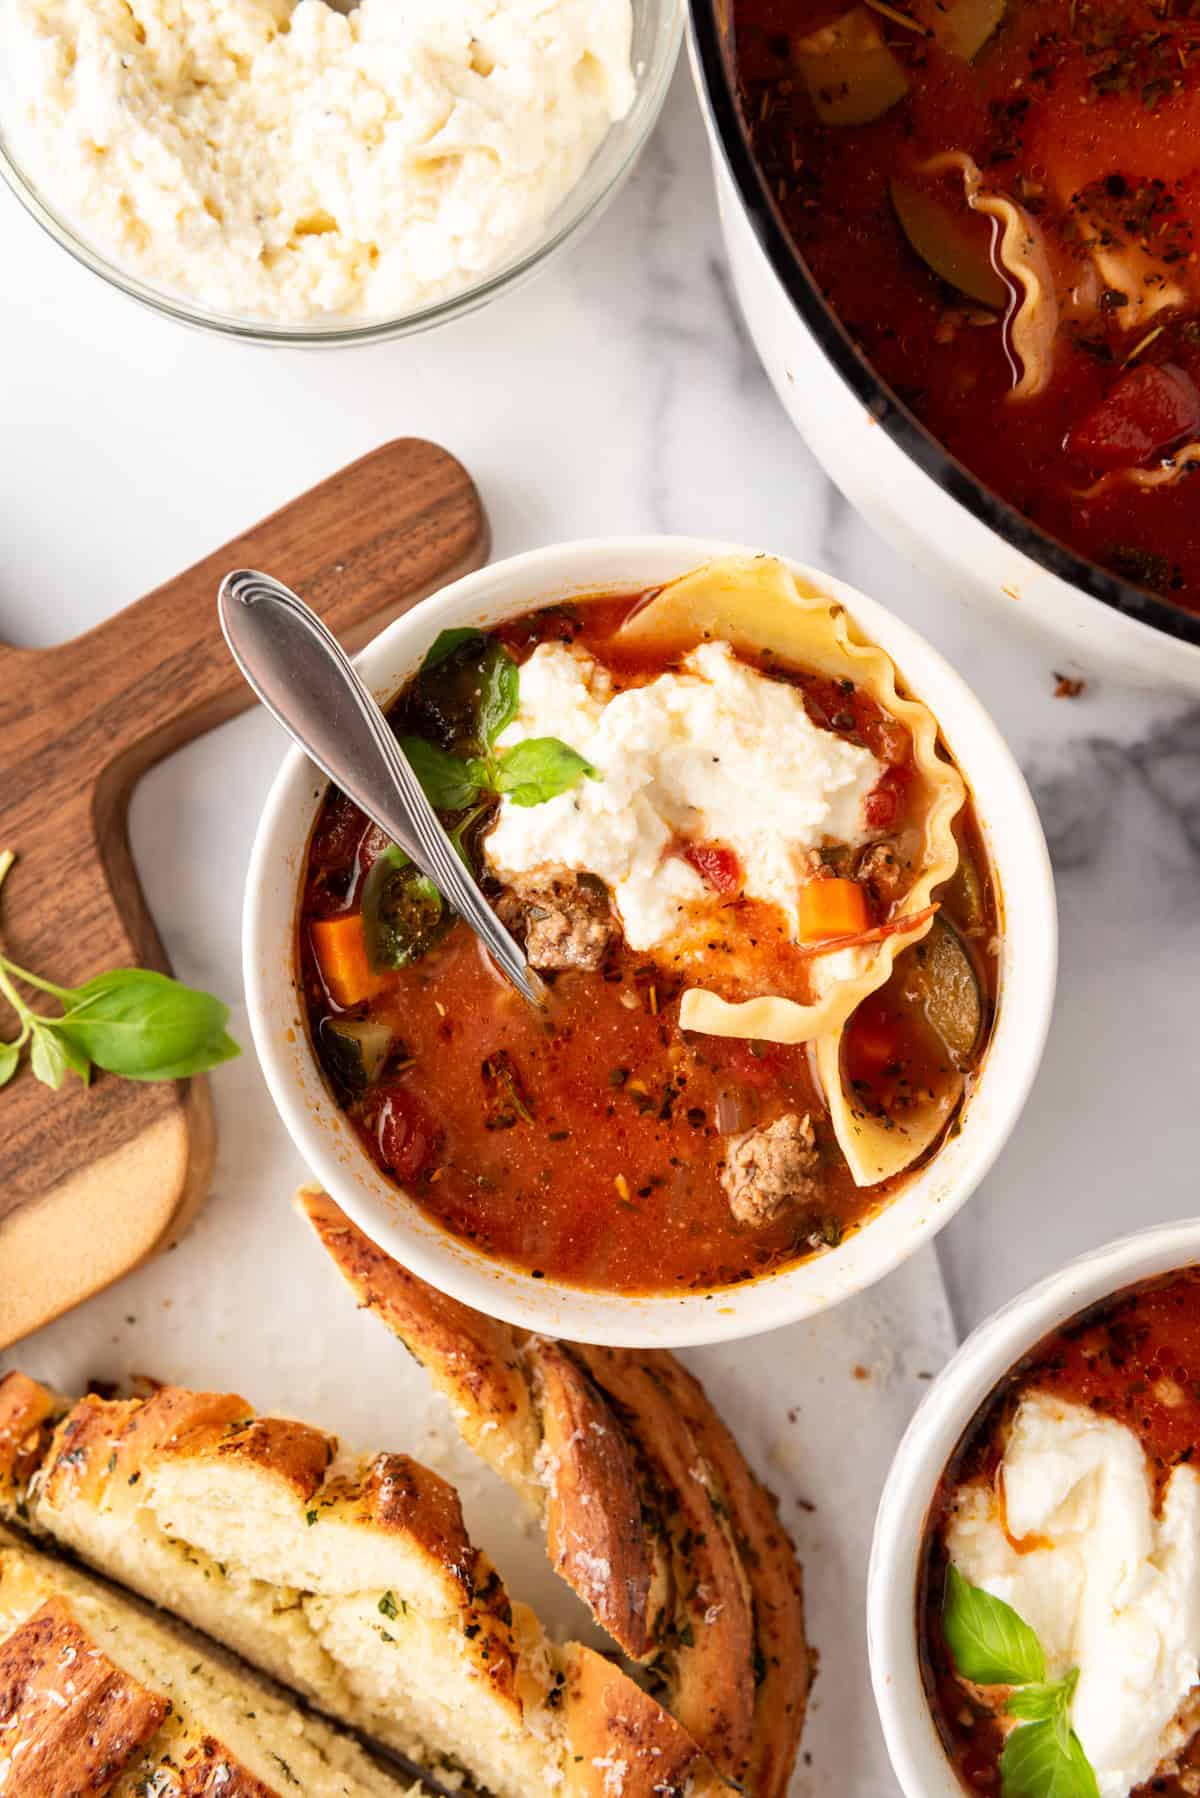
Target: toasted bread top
(70,1721)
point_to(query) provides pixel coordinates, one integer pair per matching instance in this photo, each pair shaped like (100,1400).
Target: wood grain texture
(99,1179)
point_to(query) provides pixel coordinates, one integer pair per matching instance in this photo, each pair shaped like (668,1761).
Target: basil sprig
(992,1646)
(132,1022)
(530,773)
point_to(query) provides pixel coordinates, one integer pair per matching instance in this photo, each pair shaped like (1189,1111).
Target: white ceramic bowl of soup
(918,1759)
(1020,869)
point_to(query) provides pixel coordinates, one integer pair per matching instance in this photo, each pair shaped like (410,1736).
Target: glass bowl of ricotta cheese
(291,171)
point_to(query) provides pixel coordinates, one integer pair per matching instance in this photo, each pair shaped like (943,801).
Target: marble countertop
(617,393)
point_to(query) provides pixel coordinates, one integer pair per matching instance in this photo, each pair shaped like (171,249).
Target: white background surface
(617,393)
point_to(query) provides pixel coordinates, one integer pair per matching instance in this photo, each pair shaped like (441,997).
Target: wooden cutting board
(91,1182)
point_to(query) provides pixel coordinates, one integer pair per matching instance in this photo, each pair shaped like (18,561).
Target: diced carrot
(894,927)
(832,908)
(341,951)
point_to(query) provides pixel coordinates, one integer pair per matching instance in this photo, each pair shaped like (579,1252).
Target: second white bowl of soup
(789,894)
(1033,1604)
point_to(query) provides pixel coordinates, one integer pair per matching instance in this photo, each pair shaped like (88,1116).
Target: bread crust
(70,1721)
(623,1741)
(784,1663)
(594,1524)
(706,1651)
(27,1413)
(474,1360)
(209,1771)
(652,1513)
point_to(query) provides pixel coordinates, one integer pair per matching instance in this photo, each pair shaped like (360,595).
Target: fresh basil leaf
(1037,1703)
(209,1055)
(403,913)
(499,695)
(10,1056)
(989,1643)
(143,1025)
(458,836)
(78,1060)
(1040,1762)
(538,769)
(449,781)
(48,1058)
(446,642)
(1040,1703)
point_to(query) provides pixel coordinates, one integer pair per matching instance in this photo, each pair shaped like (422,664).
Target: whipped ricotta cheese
(1069,1537)
(717,753)
(288,160)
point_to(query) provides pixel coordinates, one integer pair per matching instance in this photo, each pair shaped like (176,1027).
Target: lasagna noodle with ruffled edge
(1020,249)
(652,1514)
(352,1582)
(761,608)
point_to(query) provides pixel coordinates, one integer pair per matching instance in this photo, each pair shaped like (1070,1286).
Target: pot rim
(885,407)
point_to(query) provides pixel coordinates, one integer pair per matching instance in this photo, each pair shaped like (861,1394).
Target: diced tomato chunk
(338,834)
(873,1041)
(885,802)
(405,1134)
(1148,412)
(890,742)
(371,846)
(716,865)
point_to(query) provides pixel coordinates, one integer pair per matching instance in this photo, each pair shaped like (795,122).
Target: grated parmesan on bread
(99,1695)
(352,1581)
(652,1514)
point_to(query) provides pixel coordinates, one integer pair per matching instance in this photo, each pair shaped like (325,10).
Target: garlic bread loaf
(651,1511)
(352,1580)
(99,1695)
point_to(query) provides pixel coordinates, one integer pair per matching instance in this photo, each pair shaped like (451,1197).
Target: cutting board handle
(92,1181)
(391,527)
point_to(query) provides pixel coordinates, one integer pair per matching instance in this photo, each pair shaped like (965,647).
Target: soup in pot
(1000,200)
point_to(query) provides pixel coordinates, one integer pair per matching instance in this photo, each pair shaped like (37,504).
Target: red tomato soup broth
(1083,119)
(588,1142)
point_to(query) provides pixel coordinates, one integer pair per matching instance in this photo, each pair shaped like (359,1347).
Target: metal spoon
(307,683)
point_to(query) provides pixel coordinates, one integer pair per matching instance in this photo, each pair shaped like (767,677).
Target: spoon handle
(308,684)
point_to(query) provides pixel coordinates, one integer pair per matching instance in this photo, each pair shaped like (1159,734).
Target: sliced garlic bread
(352,1581)
(652,1514)
(99,1695)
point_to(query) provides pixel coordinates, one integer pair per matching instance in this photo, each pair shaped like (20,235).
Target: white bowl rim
(912,1217)
(976,1368)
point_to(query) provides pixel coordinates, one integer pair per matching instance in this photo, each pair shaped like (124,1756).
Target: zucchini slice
(354,1050)
(938,976)
(851,75)
(945,242)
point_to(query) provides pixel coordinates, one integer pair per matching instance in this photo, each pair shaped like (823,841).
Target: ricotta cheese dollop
(287,160)
(1069,1537)
(717,753)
